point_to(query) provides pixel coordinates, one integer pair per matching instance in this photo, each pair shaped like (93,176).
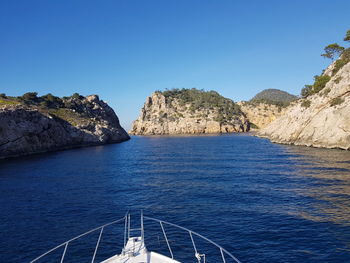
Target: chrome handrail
(77,237)
(198,256)
(222,250)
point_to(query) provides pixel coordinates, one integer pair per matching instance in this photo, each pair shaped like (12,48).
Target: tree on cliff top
(30,96)
(347,36)
(51,101)
(333,51)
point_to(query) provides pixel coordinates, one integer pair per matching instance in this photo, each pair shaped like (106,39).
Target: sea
(261,202)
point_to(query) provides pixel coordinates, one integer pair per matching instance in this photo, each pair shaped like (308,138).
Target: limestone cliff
(189,111)
(261,114)
(30,126)
(266,106)
(322,118)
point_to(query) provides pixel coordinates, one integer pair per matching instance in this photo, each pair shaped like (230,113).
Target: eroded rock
(26,130)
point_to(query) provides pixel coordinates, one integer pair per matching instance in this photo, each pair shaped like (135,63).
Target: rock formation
(189,111)
(32,128)
(322,119)
(261,114)
(266,106)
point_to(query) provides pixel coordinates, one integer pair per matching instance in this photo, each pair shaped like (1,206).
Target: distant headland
(320,117)
(193,111)
(32,124)
(189,111)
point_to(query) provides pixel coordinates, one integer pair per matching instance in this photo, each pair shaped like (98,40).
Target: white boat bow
(135,250)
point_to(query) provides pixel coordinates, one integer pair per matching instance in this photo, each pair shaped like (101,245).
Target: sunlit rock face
(261,114)
(320,120)
(163,114)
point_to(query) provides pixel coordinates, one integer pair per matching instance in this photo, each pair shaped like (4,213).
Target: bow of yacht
(135,248)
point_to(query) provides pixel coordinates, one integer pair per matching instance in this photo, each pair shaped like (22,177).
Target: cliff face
(27,129)
(320,120)
(163,114)
(261,114)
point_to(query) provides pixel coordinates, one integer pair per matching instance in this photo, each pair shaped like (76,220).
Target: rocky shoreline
(321,120)
(182,114)
(28,129)
(31,124)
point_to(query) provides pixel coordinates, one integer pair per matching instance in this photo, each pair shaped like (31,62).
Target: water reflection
(282,203)
(329,170)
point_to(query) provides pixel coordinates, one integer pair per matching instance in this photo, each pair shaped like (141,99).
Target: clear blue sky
(125,50)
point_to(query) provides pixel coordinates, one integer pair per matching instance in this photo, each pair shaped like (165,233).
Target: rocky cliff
(33,125)
(189,111)
(261,114)
(266,106)
(322,117)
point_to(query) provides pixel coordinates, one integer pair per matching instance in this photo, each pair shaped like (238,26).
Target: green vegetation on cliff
(343,60)
(199,100)
(189,111)
(332,51)
(319,84)
(48,101)
(31,124)
(273,96)
(71,109)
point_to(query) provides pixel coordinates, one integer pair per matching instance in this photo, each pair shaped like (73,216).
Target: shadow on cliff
(24,132)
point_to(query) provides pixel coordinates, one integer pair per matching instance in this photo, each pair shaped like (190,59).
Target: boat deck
(134,249)
(136,252)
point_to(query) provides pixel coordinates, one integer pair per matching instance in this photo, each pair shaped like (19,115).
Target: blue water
(263,202)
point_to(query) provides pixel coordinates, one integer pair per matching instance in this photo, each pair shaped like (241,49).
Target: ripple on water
(264,202)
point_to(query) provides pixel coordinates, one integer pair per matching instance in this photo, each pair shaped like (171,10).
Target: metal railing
(65,244)
(198,256)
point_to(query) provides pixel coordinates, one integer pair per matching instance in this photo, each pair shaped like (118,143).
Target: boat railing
(66,243)
(199,257)
(191,233)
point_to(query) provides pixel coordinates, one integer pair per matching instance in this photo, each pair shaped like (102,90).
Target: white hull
(135,252)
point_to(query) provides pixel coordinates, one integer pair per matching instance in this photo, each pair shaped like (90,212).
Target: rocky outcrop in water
(27,128)
(322,118)
(189,111)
